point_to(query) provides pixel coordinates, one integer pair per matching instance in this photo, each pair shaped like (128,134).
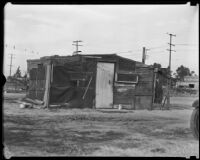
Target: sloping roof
(140,64)
(62,59)
(72,56)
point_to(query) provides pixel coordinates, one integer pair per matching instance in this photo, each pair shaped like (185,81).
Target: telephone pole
(144,53)
(169,79)
(76,44)
(11,57)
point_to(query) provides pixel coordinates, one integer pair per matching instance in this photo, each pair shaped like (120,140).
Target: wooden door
(104,85)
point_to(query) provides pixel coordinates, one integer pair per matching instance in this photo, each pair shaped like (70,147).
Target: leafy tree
(163,73)
(175,75)
(25,76)
(157,65)
(192,73)
(17,73)
(182,72)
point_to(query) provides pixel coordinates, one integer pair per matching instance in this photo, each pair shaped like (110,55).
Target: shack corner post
(155,71)
(49,78)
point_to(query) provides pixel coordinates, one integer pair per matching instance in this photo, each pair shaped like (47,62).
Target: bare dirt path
(86,132)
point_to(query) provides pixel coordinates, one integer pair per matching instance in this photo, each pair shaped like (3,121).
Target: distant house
(191,82)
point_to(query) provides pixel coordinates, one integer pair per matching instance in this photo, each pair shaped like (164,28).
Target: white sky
(50,29)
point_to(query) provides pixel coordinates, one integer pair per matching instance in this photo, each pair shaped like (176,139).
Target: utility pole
(11,57)
(144,53)
(169,79)
(76,44)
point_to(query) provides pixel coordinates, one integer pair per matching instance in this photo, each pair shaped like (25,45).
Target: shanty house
(95,81)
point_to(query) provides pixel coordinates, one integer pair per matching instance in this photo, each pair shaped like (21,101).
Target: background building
(191,82)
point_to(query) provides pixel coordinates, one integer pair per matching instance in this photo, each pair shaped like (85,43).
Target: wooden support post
(154,87)
(87,88)
(47,86)
(143,55)
(152,93)
(36,95)
(162,105)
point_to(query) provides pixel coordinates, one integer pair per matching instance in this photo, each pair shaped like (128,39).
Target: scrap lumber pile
(30,103)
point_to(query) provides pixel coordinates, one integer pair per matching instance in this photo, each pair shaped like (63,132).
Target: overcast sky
(33,31)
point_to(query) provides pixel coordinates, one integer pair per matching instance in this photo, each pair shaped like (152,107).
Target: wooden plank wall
(144,88)
(142,102)
(138,96)
(36,82)
(123,93)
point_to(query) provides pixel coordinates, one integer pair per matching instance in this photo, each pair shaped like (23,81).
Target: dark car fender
(196,104)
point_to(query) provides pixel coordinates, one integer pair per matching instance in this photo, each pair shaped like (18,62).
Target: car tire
(194,123)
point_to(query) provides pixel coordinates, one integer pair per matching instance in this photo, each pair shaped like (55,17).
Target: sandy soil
(87,132)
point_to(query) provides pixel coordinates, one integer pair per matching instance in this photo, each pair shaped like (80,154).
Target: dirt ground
(87,132)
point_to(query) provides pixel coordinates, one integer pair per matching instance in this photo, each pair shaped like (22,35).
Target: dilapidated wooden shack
(93,81)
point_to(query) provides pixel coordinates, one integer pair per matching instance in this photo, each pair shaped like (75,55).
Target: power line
(21,49)
(118,52)
(133,54)
(77,45)
(188,49)
(169,81)
(163,46)
(11,58)
(158,51)
(129,53)
(187,44)
(170,44)
(125,52)
(144,54)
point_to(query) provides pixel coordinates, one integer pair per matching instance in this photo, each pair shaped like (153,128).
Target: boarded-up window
(132,78)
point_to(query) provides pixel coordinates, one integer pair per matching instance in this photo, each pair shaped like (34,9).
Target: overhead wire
(162,46)
(21,49)
(186,44)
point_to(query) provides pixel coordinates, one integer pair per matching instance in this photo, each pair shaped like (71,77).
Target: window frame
(129,82)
